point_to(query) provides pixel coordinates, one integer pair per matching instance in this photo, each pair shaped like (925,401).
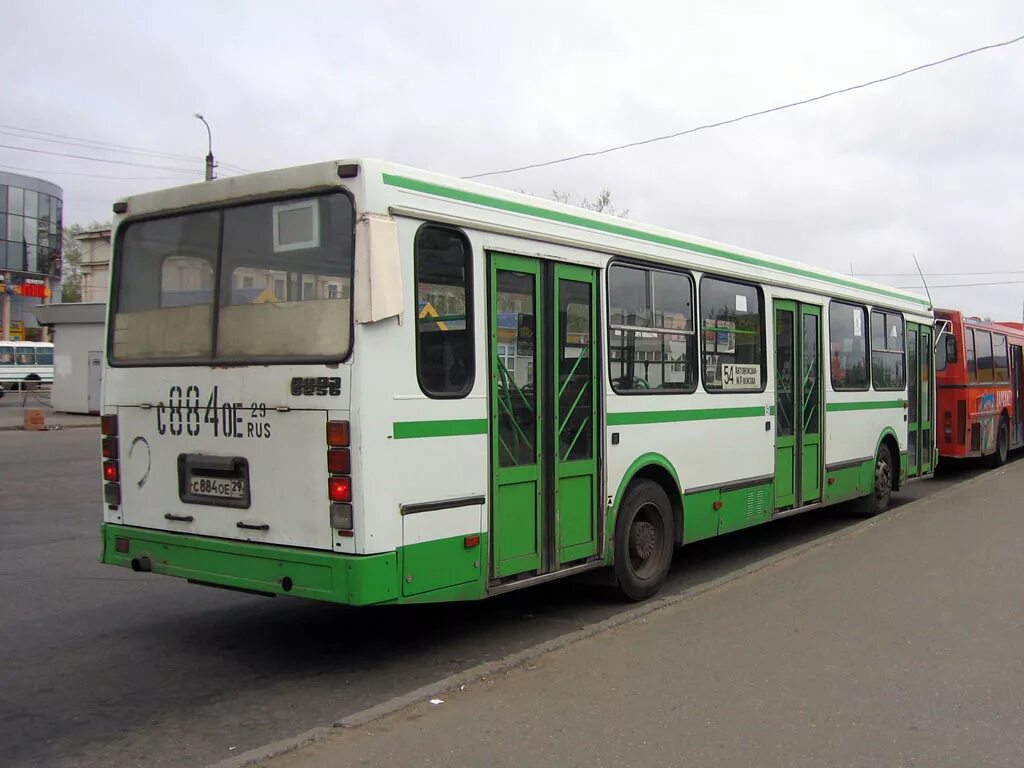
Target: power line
(91,175)
(965,285)
(187,171)
(750,115)
(938,274)
(93,143)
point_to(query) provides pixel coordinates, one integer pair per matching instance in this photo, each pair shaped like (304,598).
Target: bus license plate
(217,487)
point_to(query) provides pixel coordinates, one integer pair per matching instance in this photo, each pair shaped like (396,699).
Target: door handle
(179,518)
(253,526)
(768,426)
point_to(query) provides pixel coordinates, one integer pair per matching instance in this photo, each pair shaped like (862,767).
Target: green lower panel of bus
(441,570)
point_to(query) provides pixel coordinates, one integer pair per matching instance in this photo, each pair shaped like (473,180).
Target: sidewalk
(12,415)
(900,644)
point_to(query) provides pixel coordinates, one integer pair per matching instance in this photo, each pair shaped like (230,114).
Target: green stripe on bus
(443,428)
(450,193)
(696,414)
(868,405)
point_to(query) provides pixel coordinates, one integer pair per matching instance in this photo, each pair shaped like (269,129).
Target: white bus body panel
(281,436)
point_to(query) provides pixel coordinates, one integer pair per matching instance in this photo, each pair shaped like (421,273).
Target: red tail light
(109,447)
(108,425)
(339,488)
(110,471)
(339,461)
(337,434)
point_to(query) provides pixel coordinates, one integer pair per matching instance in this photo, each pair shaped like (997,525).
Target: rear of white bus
(228,450)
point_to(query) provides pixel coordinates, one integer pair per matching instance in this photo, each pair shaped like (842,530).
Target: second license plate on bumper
(222,481)
(218,487)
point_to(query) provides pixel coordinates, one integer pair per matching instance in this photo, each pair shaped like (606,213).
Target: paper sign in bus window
(296,226)
(738,376)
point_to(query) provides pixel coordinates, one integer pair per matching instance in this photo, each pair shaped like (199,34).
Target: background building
(31,218)
(94,266)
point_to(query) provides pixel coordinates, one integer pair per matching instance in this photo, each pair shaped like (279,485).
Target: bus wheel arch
(658,469)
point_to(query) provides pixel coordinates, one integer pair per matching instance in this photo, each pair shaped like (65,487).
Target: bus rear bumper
(274,570)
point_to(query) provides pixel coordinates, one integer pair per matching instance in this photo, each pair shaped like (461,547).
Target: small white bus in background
(25,363)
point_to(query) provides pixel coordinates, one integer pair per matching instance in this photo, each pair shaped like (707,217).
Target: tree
(71,257)
(600,204)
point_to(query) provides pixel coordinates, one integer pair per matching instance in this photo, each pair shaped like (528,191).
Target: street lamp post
(210,165)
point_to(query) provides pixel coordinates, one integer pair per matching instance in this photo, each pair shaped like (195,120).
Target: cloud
(930,164)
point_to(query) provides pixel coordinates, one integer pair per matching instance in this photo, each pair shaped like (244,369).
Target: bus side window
(444,312)
(983,345)
(972,361)
(888,371)
(1000,358)
(732,336)
(7,355)
(848,345)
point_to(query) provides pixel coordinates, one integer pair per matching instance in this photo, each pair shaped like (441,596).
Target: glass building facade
(31,212)
(31,220)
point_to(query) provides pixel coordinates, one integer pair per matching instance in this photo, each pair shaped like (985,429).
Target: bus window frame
(763,313)
(995,358)
(470,309)
(885,312)
(977,358)
(970,356)
(194,362)
(651,267)
(867,345)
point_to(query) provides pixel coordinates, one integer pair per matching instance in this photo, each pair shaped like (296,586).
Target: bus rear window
(285,284)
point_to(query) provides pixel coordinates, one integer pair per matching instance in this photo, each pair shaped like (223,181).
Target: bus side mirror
(950,349)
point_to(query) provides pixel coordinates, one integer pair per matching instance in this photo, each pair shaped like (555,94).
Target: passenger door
(798,404)
(543,415)
(921,400)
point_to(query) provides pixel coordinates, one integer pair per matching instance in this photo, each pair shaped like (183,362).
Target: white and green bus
(362,383)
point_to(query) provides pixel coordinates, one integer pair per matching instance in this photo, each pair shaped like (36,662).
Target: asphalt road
(103,666)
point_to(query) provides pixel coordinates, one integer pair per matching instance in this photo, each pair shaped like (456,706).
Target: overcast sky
(931,164)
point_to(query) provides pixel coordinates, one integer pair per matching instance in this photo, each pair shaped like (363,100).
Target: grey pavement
(12,413)
(105,667)
(900,644)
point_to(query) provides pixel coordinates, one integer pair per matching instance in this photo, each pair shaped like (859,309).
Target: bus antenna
(931,304)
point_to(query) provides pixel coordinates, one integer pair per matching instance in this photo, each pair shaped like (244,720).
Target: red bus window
(972,362)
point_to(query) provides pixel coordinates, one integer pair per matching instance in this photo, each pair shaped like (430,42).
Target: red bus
(979,371)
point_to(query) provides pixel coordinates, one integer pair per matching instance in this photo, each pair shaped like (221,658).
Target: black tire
(644,536)
(998,458)
(878,500)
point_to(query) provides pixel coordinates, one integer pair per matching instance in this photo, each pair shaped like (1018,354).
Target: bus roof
(390,188)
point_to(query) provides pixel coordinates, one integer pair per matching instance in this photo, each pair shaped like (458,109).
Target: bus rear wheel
(643,540)
(998,458)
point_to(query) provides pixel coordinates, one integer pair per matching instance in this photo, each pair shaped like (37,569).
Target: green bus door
(798,404)
(543,415)
(921,400)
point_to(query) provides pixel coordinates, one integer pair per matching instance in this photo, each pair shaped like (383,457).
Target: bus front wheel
(643,540)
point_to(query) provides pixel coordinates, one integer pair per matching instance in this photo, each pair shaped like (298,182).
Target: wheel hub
(883,480)
(642,540)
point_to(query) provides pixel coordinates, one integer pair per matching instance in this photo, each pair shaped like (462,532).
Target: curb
(51,428)
(492,668)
